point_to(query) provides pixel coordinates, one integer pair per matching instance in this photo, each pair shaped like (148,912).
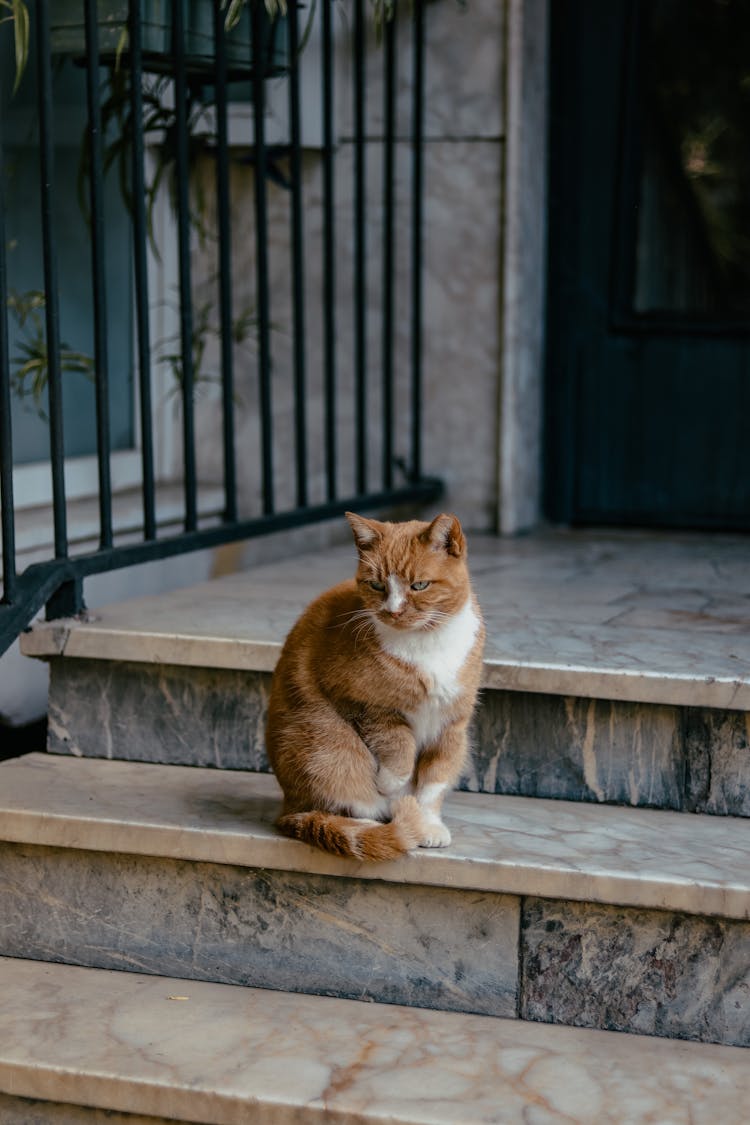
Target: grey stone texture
(533,745)
(426,947)
(30,1111)
(462,293)
(158,713)
(717,750)
(577,749)
(644,971)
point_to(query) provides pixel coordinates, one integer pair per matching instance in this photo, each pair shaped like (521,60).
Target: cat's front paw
(389,783)
(436,835)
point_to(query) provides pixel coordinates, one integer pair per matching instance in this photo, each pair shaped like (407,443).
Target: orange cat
(374,691)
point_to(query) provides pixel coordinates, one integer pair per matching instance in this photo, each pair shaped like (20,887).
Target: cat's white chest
(439,654)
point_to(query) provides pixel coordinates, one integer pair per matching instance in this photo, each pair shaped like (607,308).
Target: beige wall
(523,268)
(463,254)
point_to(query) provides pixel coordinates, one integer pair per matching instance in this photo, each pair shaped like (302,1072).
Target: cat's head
(411,575)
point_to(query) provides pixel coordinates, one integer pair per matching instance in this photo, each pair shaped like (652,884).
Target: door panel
(649,281)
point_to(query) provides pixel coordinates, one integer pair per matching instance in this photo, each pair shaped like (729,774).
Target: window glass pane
(26,277)
(693,218)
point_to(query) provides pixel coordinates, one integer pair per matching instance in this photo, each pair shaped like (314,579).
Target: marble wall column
(523,267)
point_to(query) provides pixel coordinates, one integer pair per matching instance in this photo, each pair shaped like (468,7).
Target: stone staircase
(599,876)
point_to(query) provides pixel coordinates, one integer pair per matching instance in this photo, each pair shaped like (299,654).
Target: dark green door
(648,341)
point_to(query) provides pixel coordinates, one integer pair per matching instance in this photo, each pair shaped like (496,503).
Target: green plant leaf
(234,10)
(19,13)
(122,44)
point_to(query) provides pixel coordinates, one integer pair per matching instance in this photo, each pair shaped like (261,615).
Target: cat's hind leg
(322,763)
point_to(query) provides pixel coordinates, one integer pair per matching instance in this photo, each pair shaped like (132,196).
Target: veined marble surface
(637,617)
(651,972)
(206,1052)
(514,845)
(393,943)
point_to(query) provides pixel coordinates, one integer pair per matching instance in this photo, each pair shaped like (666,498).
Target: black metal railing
(357,415)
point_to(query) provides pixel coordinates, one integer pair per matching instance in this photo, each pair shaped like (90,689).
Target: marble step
(630,617)
(168,1049)
(625,919)
(617,669)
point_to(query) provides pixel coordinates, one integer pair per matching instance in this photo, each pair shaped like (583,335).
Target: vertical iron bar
(96,199)
(329,283)
(389,113)
(7,523)
(260,28)
(298,265)
(51,303)
(183,244)
(140,264)
(225,268)
(360,249)
(416,246)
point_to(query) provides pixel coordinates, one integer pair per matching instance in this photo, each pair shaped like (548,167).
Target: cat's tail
(358,839)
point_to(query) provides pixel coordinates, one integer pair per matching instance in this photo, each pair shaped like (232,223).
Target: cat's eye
(374,585)
(420,585)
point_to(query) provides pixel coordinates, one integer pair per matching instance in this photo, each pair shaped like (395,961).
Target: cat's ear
(366,532)
(445,534)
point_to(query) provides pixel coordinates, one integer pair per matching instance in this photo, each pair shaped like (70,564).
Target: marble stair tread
(225,1055)
(516,845)
(629,616)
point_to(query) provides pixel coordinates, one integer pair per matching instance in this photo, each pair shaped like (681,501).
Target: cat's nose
(395,612)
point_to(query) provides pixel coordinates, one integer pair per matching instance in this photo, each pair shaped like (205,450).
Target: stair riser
(649,971)
(158,713)
(691,759)
(25,1111)
(292,932)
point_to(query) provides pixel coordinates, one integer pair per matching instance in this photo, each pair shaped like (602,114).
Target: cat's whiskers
(360,630)
(436,618)
(360,619)
(352,616)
